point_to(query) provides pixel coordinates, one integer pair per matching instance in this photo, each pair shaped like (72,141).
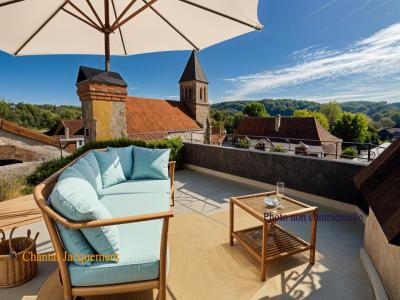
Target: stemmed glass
(280,189)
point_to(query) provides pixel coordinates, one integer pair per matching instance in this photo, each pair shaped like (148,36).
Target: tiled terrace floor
(204,266)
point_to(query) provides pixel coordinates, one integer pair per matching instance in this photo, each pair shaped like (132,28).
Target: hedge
(48,168)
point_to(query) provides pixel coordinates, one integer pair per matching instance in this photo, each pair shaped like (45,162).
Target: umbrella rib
(10,2)
(221,14)
(41,27)
(95,13)
(173,27)
(123,13)
(119,29)
(83,20)
(144,7)
(82,13)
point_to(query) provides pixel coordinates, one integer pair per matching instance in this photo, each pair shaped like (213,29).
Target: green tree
(396,117)
(387,122)
(255,109)
(332,111)
(320,117)
(352,128)
(349,153)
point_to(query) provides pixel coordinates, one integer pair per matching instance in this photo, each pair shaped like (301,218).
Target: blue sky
(319,50)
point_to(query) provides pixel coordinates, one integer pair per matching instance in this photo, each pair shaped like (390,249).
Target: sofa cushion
(75,198)
(92,161)
(150,163)
(139,255)
(75,244)
(110,168)
(84,167)
(126,159)
(139,186)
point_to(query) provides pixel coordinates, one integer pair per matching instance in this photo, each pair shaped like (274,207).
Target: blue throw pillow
(76,199)
(126,159)
(110,168)
(90,158)
(150,163)
(76,245)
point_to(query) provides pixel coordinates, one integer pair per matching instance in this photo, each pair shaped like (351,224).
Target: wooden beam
(10,2)
(123,13)
(83,20)
(41,27)
(221,14)
(83,14)
(119,29)
(95,13)
(173,27)
(137,12)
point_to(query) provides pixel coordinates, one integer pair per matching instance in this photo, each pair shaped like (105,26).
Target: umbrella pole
(107,34)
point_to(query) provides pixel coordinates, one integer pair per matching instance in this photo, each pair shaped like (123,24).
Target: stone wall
(44,151)
(327,178)
(384,256)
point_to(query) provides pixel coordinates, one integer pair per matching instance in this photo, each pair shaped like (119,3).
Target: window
(201,93)
(190,93)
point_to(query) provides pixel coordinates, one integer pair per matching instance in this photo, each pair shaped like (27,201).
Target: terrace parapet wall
(329,178)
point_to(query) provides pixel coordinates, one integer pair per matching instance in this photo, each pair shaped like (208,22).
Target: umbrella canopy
(121,27)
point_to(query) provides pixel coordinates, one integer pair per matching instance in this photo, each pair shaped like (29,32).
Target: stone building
(20,144)
(108,112)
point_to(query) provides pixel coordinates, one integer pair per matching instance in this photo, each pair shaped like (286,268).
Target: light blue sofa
(113,228)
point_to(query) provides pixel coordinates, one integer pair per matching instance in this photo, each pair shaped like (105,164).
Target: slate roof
(99,76)
(156,118)
(193,70)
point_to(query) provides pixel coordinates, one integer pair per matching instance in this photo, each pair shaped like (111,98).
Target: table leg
(264,251)
(231,227)
(313,236)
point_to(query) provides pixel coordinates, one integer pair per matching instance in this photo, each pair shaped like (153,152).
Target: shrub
(349,152)
(278,148)
(243,143)
(48,168)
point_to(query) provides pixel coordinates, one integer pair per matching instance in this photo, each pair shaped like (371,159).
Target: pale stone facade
(44,151)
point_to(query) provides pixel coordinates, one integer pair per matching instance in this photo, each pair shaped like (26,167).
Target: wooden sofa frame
(41,194)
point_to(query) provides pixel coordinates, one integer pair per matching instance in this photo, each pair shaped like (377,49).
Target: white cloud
(375,60)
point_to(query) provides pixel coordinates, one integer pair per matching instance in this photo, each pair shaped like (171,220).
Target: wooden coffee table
(270,241)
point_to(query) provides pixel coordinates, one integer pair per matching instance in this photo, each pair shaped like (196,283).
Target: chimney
(277,123)
(103,96)
(66,132)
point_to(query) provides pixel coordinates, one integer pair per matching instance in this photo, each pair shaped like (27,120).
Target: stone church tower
(194,90)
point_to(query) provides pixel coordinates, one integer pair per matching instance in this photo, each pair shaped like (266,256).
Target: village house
(294,135)
(108,112)
(70,134)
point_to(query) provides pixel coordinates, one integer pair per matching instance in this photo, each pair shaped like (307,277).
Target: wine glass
(280,189)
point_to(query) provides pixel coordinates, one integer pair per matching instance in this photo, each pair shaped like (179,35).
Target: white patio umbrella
(121,27)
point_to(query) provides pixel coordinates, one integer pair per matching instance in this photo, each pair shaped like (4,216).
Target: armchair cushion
(75,198)
(150,163)
(139,256)
(110,168)
(126,159)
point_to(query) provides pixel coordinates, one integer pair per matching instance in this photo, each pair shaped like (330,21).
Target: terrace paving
(204,266)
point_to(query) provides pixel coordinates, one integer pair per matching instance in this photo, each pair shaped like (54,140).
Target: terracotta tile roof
(156,117)
(74,126)
(303,128)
